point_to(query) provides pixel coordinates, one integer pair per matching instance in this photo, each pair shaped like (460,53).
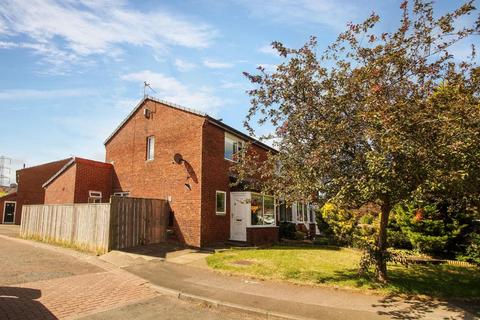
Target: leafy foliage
(428,229)
(341,223)
(472,253)
(378,117)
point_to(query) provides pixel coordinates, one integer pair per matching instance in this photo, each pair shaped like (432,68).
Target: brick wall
(30,181)
(62,189)
(93,176)
(215,170)
(260,236)
(74,184)
(215,228)
(175,131)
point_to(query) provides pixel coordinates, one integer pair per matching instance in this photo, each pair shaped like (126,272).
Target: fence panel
(137,221)
(123,223)
(84,226)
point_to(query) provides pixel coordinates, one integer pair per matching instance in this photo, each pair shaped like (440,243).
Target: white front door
(239,208)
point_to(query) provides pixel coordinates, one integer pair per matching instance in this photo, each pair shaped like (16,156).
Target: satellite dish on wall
(178,158)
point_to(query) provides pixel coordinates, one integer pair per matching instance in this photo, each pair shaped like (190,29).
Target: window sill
(230,160)
(221,214)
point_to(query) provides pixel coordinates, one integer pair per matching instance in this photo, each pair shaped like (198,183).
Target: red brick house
(8,207)
(29,190)
(162,150)
(80,181)
(71,180)
(165,151)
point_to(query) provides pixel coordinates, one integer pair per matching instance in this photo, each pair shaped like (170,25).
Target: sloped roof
(8,196)
(72,161)
(214,121)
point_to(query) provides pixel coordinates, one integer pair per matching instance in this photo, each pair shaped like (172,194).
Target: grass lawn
(338,267)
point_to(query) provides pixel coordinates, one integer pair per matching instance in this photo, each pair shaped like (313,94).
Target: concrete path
(285,298)
(189,257)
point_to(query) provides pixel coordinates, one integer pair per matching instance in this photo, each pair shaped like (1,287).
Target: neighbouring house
(29,190)
(8,205)
(80,181)
(163,150)
(4,190)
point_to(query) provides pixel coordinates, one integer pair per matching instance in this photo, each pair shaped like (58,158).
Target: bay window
(284,211)
(262,210)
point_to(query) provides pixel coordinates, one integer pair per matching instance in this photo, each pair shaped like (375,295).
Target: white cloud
(332,13)
(94,27)
(184,66)
(28,94)
(217,65)
(233,85)
(172,90)
(267,49)
(126,104)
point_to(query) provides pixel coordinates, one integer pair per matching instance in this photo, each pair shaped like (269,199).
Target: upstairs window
(150,148)
(232,146)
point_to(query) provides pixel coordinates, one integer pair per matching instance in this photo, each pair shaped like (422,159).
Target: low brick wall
(262,235)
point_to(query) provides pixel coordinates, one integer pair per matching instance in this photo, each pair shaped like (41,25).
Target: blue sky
(70,71)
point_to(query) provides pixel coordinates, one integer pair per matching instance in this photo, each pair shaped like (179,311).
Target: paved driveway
(21,263)
(42,282)
(38,282)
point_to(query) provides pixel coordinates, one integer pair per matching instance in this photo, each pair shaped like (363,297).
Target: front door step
(234,243)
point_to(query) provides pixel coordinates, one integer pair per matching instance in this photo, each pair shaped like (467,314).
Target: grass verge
(333,266)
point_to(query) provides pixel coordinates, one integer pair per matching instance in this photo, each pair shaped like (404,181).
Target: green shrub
(472,253)
(398,239)
(321,241)
(299,235)
(428,229)
(341,222)
(287,230)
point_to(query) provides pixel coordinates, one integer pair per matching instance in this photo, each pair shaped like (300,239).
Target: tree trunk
(381,255)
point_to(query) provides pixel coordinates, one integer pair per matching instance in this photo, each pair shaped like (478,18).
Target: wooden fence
(122,223)
(137,221)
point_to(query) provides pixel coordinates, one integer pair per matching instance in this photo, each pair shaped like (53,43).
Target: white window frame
(299,205)
(122,194)
(96,196)
(236,142)
(224,212)
(278,205)
(150,149)
(274,224)
(14,212)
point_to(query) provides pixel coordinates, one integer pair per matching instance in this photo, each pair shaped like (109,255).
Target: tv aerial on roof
(145,86)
